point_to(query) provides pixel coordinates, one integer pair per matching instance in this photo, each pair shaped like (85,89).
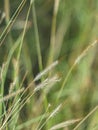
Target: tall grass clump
(48,65)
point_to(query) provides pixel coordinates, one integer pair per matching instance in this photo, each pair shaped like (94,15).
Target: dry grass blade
(2,16)
(55,111)
(11,22)
(64,124)
(9,115)
(45,71)
(27,98)
(86,117)
(85,52)
(11,95)
(43,117)
(78,59)
(47,81)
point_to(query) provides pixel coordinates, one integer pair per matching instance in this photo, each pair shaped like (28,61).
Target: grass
(48,65)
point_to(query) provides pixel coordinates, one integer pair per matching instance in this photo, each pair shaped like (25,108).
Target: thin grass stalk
(32,121)
(7,117)
(22,103)
(17,64)
(44,72)
(11,22)
(64,124)
(7,10)
(7,19)
(38,43)
(8,62)
(78,59)
(26,98)
(15,110)
(88,115)
(55,111)
(2,17)
(53,32)
(7,97)
(42,118)
(4,72)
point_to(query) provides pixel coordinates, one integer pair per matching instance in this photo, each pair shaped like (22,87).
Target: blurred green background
(75,28)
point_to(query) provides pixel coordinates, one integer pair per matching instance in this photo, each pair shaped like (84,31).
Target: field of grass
(48,65)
